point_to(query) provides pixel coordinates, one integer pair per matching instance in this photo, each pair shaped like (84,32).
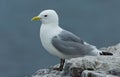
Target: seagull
(60,42)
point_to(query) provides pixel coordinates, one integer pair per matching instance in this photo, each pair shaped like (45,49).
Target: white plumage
(50,29)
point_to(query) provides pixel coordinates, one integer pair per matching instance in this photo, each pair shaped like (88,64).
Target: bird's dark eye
(45,15)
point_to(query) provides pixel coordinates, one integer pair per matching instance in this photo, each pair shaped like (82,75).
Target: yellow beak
(36,18)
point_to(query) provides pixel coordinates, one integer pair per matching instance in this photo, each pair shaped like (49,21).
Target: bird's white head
(47,17)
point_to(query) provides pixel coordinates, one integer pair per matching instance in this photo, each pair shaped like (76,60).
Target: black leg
(62,61)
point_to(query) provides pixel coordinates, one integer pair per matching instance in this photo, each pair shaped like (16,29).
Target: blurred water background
(21,52)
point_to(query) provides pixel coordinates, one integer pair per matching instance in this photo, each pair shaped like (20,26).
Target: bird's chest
(46,35)
(46,39)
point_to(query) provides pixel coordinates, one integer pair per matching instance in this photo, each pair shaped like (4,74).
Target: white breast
(46,34)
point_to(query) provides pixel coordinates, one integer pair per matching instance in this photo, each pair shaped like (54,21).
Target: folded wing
(69,44)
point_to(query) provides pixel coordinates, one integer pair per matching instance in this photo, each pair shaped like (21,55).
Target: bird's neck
(52,27)
(54,22)
(49,31)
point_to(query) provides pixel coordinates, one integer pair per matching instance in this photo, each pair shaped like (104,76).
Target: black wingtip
(106,53)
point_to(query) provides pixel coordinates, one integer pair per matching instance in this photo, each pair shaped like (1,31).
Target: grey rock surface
(88,73)
(88,66)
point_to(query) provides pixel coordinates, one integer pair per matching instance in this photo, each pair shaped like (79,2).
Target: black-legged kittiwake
(60,42)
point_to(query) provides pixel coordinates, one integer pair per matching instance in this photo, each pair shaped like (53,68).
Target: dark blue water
(21,53)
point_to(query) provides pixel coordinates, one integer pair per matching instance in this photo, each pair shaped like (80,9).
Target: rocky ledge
(89,66)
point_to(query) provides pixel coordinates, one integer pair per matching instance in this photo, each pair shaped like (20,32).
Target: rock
(112,76)
(88,66)
(87,73)
(113,49)
(114,71)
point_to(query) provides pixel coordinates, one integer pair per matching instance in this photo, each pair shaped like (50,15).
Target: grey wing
(69,44)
